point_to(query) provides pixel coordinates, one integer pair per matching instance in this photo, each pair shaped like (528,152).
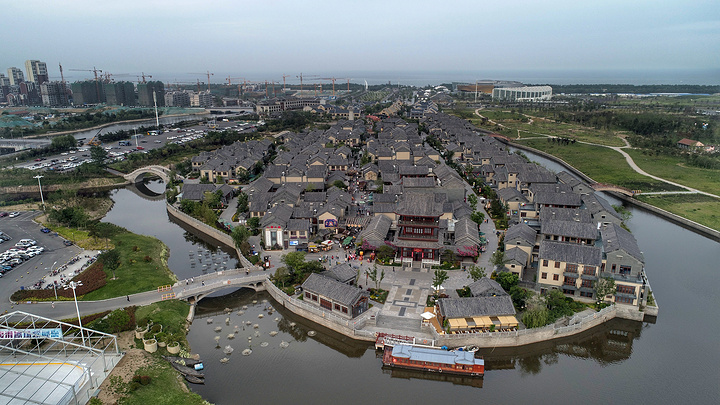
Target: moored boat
(429,359)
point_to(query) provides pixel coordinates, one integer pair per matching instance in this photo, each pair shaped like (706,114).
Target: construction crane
(208,76)
(301,81)
(97,84)
(284,76)
(95,140)
(333,82)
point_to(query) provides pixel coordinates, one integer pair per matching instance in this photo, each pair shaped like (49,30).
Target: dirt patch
(133,360)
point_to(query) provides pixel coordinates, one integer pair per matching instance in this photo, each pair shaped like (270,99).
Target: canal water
(674,360)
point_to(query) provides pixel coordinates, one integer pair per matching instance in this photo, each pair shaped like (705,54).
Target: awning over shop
(347,241)
(508,321)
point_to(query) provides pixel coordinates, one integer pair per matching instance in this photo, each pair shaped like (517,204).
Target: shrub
(147,258)
(92,278)
(135,248)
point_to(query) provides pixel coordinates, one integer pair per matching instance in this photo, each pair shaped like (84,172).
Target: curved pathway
(630,162)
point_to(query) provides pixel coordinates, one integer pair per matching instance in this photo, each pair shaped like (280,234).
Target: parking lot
(32,269)
(119,150)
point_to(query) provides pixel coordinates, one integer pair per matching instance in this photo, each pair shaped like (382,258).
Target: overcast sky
(264,39)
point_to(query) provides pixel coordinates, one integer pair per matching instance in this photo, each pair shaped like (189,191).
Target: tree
(110,260)
(239,235)
(375,277)
(339,184)
(476,273)
(117,320)
(477,217)
(242,203)
(385,252)
(98,155)
(254,224)
(507,280)
(448,256)
(439,278)
(473,200)
(603,287)
(498,258)
(294,261)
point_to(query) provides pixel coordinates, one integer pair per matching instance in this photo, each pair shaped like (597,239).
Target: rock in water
(264,344)
(246,352)
(261,316)
(224,360)
(240,313)
(231,336)
(284,344)
(273,333)
(228,349)
(209,320)
(255,326)
(218,329)
(311,333)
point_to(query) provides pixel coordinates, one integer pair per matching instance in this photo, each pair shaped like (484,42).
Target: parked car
(3,214)
(15,261)
(14,214)
(46,230)
(67,243)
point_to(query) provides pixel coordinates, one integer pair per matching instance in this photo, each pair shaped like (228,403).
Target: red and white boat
(424,358)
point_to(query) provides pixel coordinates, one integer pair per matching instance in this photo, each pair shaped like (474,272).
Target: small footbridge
(197,288)
(613,187)
(137,174)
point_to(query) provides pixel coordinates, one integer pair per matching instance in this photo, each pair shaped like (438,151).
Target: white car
(13,214)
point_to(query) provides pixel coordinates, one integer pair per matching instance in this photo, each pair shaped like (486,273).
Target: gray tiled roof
(596,204)
(517,254)
(419,204)
(616,238)
(196,192)
(521,231)
(570,253)
(333,289)
(568,199)
(342,272)
(486,287)
(565,214)
(466,232)
(571,229)
(476,306)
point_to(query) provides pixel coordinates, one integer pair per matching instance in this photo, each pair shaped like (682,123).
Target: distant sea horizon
(709,77)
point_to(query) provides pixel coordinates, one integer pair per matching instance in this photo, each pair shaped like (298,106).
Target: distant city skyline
(406,42)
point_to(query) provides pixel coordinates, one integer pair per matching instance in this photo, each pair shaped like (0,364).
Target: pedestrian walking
(128,298)
(203,283)
(187,282)
(53,304)
(192,280)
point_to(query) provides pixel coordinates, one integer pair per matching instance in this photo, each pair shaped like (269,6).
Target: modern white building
(526,93)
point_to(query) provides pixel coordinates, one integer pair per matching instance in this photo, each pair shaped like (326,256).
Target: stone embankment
(360,328)
(207,230)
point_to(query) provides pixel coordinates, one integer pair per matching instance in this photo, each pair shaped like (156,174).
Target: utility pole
(38,177)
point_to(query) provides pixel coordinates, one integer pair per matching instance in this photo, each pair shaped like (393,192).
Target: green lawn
(135,274)
(171,314)
(516,121)
(164,389)
(697,207)
(601,164)
(674,169)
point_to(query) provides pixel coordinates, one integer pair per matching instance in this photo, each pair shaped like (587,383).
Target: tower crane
(284,76)
(97,84)
(301,81)
(333,82)
(208,77)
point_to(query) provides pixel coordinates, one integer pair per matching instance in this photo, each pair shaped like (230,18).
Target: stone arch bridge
(136,175)
(197,288)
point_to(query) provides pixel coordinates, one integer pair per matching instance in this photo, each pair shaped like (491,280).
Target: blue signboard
(55,333)
(293,243)
(330,223)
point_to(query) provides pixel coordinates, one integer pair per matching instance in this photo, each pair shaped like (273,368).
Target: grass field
(171,314)
(165,387)
(539,126)
(674,169)
(697,207)
(601,164)
(135,273)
